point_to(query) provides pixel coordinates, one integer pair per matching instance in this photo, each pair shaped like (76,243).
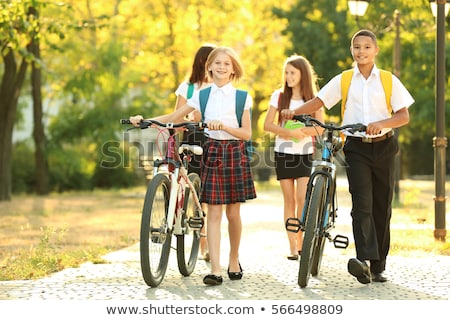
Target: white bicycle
(171,207)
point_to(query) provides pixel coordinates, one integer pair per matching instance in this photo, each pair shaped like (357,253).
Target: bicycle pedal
(340,242)
(293,225)
(196,222)
(157,238)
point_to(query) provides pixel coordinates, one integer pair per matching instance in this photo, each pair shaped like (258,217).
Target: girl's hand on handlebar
(136,120)
(287,114)
(215,125)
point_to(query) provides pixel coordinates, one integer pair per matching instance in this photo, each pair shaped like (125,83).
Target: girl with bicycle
(226,173)
(293,147)
(198,79)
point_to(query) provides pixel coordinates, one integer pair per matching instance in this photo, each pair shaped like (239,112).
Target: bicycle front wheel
(188,243)
(155,236)
(317,255)
(314,211)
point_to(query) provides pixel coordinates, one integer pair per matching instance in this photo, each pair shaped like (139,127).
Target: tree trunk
(40,141)
(12,81)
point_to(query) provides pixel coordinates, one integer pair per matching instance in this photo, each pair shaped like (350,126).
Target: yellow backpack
(386,81)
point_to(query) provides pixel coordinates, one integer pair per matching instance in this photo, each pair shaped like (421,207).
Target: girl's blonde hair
(237,65)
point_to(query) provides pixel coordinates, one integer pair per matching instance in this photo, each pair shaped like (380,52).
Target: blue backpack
(241,97)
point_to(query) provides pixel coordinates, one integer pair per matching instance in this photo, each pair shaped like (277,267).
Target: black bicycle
(171,207)
(320,209)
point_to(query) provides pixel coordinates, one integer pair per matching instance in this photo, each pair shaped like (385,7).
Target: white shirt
(303,146)
(366,101)
(221,106)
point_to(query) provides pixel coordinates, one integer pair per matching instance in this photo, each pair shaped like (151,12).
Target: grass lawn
(41,235)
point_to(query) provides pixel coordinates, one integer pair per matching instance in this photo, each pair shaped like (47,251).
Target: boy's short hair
(366,33)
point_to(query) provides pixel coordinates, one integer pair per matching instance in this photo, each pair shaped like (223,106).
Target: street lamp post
(440,10)
(396,57)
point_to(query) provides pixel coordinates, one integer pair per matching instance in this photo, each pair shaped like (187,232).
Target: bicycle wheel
(322,238)
(155,238)
(188,243)
(317,255)
(315,209)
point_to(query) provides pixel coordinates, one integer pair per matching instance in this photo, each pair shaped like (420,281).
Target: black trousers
(370,173)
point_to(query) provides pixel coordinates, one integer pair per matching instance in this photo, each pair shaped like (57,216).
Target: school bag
(386,81)
(241,97)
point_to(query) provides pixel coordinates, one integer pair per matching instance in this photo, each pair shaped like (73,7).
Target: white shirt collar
(226,89)
(375,71)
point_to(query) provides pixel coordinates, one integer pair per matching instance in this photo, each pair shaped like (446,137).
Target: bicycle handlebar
(144,124)
(352,128)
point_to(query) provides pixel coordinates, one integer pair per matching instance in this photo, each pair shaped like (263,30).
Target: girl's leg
(235,232)
(301,194)
(288,190)
(214,218)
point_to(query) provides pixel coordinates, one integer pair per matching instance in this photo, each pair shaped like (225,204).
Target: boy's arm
(308,108)
(398,119)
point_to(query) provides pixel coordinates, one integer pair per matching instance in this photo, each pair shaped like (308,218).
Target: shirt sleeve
(194,101)
(274,98)
(330,94)
(401,97)
(182,90)
(248,102)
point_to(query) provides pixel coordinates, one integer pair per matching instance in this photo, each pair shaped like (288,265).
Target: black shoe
(359,269)
(378,277)
(212,279)
(235,275)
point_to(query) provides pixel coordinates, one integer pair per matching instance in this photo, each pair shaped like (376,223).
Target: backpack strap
(345,85)
(241,97)
(190,90)
(203,96)
(386,81)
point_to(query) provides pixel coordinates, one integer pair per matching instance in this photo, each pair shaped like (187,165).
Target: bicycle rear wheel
(188,243)
(155,237)
(314,212)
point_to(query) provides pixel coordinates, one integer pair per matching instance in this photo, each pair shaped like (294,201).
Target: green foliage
(103,62)
(69,168)
(23,167)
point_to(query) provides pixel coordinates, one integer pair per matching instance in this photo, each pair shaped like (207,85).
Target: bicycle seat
(197,150)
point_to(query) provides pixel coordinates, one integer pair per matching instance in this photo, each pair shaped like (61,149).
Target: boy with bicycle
(369,157)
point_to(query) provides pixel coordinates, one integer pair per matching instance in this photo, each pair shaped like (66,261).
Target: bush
(23,167)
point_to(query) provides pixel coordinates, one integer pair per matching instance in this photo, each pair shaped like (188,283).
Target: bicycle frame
(327,168)
(178,181)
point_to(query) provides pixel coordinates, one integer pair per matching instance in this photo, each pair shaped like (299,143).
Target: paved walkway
(268,275)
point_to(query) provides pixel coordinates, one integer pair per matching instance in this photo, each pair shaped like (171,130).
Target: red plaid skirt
(226,174)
